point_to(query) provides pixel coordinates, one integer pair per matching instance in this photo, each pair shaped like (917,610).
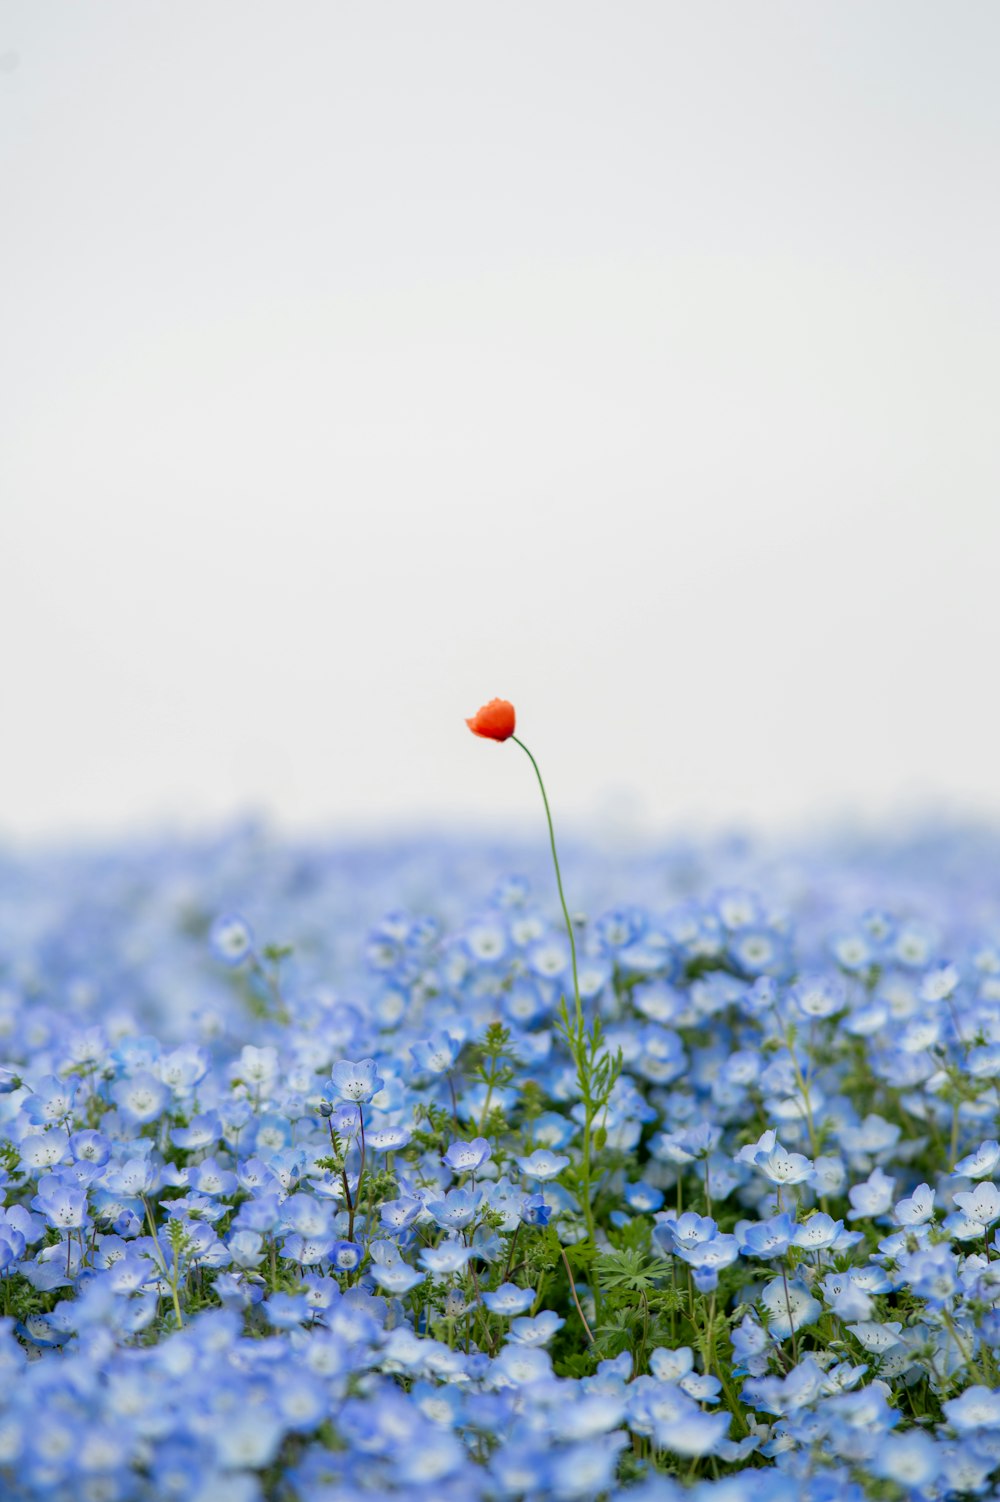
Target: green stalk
(576,1039)
(562,897)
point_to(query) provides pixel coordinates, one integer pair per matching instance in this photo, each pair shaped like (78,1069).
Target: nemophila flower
(495,721)
(879,1072)
(829,1174)
(396,1277)
(344,1120)
(535,1210)
(446,1258)
(436,1055)
(90,1147)
(550,959)
(756,951)
(388,1139)
(701,1386)
(917,1208)
(61,1202)
(978,1407)
(42,1150)
(817,996)
(670,1366)
(587,1469)
(643,1197)
(231,938)
(356,1082)
(981,1204)
(853,951)
(710,1256)
(397,1214)
(873,1137)
(184,1068)
(780,1166)
(683,1232)
(10,1080)
(878,1339)
(208,1177)
(12,1243)
(913,1461)
(51,1101)
(306,1215)
(695,1434)
(468,1157)
(456,1210)
(931,1273)
(766,1238)
(871,1199)
(788,1306)
(202,1131)
(253,1175)
(983,1062)
(519,1365)
(818,1233)
(846,1297)
(940,982)
(538,1330)
(980,1164)
(508,1300)
(346,1256)
(750,1346)
(486,942)
(246,1248)
(542,1164)
(258,1067)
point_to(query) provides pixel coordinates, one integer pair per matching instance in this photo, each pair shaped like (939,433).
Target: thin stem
(562,897)
(345,1184)
(510,1254)
(788,1306)
(572,1289)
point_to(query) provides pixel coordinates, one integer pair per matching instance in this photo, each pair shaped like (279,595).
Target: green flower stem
(576,1300)
(562,896)
(162,1261)
(575,1038)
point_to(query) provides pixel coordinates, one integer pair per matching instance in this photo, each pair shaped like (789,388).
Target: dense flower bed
(305,1194)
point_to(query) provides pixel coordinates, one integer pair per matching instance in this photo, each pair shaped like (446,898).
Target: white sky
(360,362)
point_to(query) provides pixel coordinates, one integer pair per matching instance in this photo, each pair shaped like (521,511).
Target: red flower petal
(495,721)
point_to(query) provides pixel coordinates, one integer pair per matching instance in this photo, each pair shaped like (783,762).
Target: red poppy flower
(495,721)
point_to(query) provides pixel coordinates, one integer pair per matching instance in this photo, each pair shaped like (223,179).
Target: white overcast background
(359,362)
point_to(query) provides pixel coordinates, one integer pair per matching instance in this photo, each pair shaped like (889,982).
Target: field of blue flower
(316,1187)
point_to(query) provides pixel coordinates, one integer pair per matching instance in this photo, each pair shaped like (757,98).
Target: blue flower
(446,1258)
(789,1306)
(911,1460)
(468,1157)
(509,1300)
(536,1331)
(872,1198)
(457,1210)
(977,1407)
(396,1277)
(542,1164)
(61,1202)
(436,1055)
(141,1097)
(766,1238)
(356,1082)
(231,938)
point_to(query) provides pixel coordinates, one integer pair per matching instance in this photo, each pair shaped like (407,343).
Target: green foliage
(275,953)
(629,1269)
